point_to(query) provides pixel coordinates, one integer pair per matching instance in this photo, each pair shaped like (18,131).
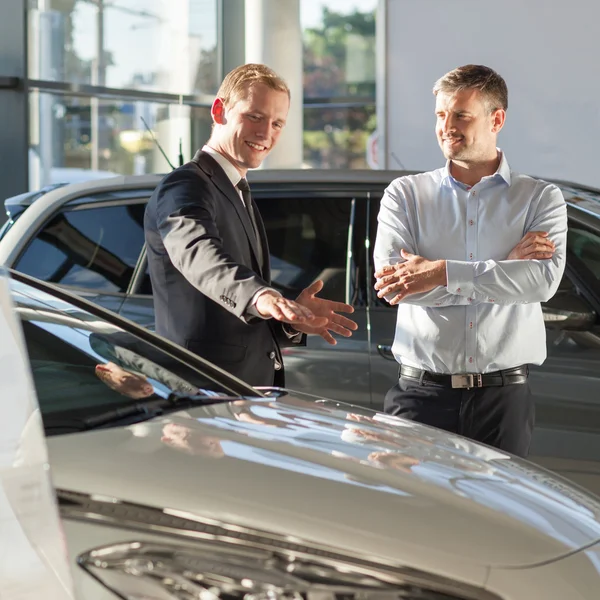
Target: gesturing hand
(272,305)
(415,275)
(533,245)
(326,309)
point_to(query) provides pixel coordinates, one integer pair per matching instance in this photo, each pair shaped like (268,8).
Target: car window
(95,248)
(585,245)
(82,365)
(308,240)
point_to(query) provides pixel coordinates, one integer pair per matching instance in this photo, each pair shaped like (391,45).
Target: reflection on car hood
(357,480)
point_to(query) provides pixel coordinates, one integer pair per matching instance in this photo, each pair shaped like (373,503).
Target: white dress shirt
(232,173)
(488,316)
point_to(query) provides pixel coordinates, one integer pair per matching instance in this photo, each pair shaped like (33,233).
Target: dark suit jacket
(204,268)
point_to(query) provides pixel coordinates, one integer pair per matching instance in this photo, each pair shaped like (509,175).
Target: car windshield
(83,366)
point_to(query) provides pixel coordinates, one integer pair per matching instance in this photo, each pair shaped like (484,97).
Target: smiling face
(467,127)
(248,129)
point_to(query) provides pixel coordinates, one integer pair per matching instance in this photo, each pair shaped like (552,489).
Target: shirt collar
(232,173)
(503,171)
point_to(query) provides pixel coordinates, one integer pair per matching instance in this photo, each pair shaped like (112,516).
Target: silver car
(176,481)
(321,224)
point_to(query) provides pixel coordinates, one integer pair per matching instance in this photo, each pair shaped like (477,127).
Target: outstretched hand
(272,305)
(327,309)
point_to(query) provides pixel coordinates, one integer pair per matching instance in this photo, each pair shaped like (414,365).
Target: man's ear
(498,117)
(217,111)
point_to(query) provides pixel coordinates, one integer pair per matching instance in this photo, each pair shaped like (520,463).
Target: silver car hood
(356,480)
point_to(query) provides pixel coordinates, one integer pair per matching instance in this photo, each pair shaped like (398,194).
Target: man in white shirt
(208,254)
(467,253)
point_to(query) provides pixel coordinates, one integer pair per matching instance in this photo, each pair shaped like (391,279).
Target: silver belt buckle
(468,381)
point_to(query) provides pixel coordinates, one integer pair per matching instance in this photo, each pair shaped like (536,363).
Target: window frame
(300,193)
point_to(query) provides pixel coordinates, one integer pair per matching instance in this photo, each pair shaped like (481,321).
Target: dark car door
(382,320)
(567,385)
(309,234)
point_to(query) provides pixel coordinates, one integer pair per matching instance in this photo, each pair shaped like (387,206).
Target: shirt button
(470,359)
(458,289)
(470,299)
(471,256)
(471,325)
(471,222)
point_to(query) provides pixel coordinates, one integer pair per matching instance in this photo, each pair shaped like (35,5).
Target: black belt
(516,375)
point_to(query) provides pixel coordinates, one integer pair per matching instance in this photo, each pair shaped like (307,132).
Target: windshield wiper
(149,409)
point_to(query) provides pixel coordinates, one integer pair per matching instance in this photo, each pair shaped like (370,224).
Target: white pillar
(274,38)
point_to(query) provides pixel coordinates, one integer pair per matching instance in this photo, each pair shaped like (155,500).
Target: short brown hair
(491,85)
(236,82)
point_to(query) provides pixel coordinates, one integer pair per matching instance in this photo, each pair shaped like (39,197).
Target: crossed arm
(530,273)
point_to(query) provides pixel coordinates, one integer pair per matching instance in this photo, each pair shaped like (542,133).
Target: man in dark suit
(207,249)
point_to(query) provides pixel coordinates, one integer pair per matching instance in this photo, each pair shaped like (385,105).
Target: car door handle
(386,351)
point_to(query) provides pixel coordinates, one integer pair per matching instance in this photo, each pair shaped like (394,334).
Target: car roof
(584,198)
(286,177)
(583,202)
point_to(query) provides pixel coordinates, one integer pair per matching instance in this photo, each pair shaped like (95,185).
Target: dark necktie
(245,189)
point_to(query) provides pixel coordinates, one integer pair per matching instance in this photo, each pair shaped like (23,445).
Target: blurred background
(106,76)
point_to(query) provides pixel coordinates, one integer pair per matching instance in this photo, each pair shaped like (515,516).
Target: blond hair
(237,82)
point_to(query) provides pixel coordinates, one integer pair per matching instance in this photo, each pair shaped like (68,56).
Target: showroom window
(339,82)
(65,150)
(111,80)
(108,78)
(145,45)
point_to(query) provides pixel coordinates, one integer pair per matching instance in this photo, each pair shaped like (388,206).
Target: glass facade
(78,137)
(110,79)
(339,82)
(146,45)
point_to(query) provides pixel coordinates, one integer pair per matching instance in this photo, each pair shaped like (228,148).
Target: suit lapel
(219,178)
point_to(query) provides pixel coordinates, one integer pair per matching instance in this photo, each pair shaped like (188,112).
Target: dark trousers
(501,416)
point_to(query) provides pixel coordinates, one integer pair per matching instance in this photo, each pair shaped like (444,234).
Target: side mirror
(568,311)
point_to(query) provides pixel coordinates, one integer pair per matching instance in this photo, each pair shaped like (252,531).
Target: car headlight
(201,559)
